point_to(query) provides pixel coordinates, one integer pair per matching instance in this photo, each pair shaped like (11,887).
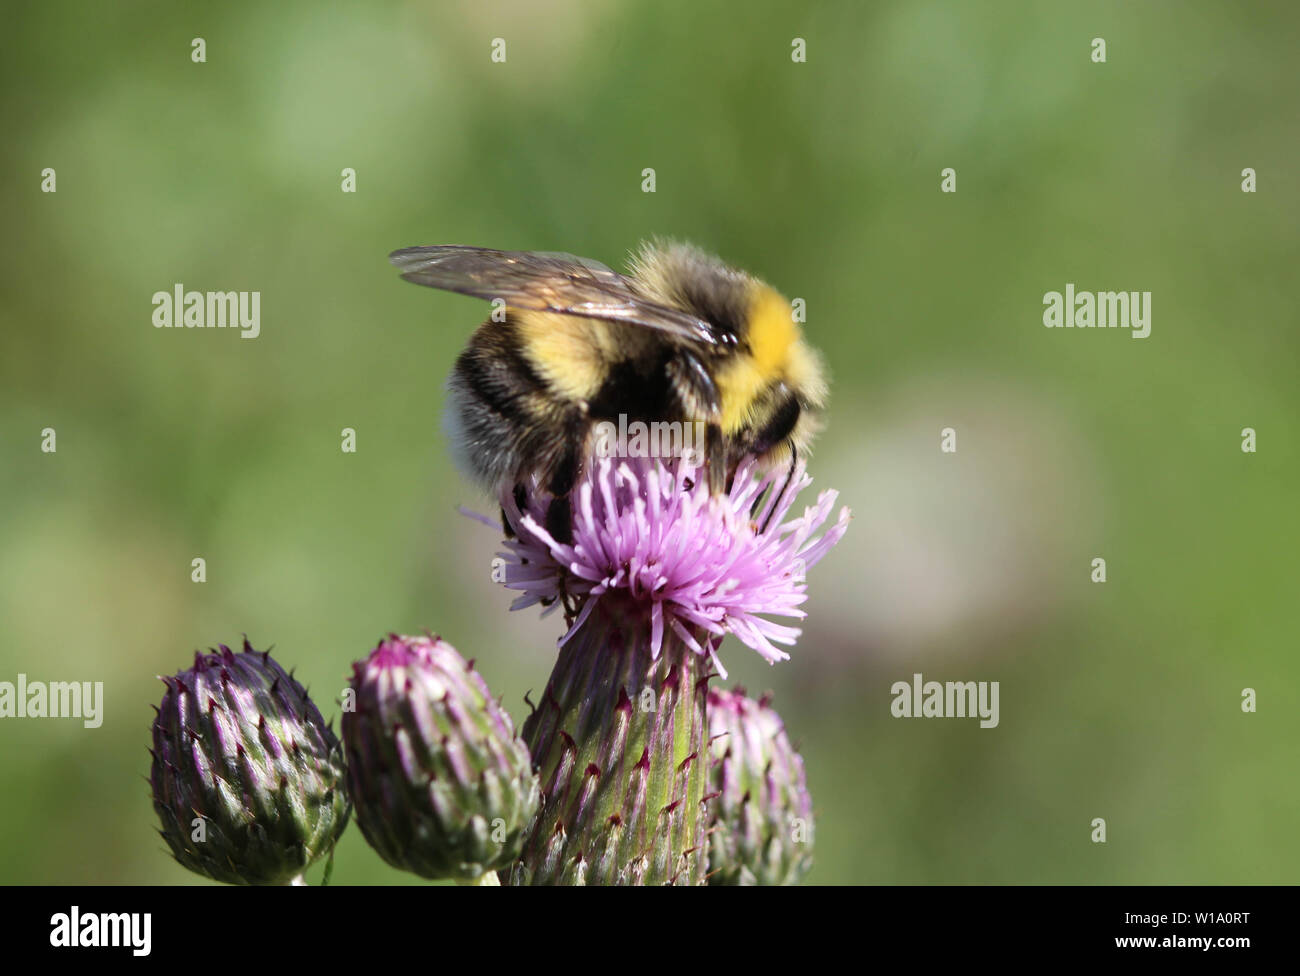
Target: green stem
(620,742)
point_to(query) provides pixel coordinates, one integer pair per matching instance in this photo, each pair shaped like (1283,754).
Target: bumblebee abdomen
(505,419)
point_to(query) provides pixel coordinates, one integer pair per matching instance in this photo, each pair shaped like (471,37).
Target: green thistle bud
(620,740)
(762,833)
(247,778)
(442,785)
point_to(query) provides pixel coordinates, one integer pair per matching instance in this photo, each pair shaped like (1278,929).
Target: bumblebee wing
(548,282)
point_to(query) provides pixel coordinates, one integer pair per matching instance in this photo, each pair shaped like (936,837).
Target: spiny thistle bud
(442,785)
(762,833)
(247,778)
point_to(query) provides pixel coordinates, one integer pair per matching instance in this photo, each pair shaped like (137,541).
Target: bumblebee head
(771,383)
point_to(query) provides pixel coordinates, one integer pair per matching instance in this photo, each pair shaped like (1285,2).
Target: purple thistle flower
(648,534)
(657,572)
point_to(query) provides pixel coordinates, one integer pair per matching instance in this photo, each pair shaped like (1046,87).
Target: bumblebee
(682,337)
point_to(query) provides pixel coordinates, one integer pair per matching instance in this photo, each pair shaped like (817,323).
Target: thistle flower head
(442,785)
(649,537)
(247,778)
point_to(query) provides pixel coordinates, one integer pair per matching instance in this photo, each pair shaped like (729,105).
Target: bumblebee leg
(715,457)
(569,602)
(559,520)
(559,514)
(521,501)
(789,476)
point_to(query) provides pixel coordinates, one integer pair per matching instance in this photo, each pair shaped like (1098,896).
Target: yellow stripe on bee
(565,351)
(771,334)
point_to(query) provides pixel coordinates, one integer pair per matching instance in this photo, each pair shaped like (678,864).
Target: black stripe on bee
(632,389)
(499,375)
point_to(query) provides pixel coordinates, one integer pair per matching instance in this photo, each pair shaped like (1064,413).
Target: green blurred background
(1118,700)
